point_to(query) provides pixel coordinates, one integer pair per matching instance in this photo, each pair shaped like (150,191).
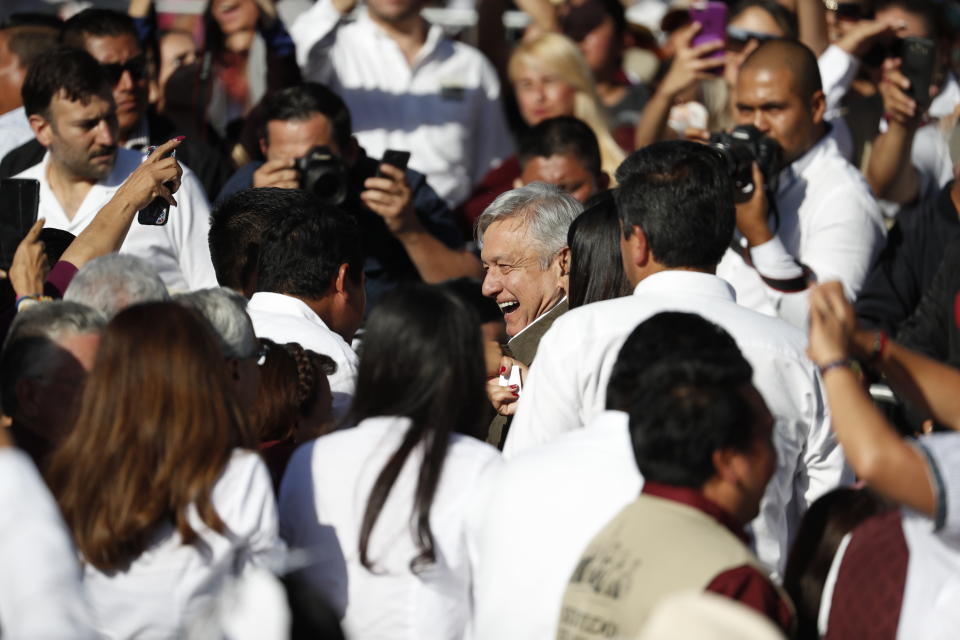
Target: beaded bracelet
(879,345)
(835,364)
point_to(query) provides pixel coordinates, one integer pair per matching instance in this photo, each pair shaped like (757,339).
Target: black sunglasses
(738,38)
(137,66)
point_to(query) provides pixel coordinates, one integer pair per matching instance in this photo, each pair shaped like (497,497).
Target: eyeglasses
(113,71)
(737,38)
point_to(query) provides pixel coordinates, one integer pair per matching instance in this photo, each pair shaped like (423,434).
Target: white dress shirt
(178,250)
(40,592)
(171,585)
(285,319)
(323,498)
(829,223)
(567,385)
(542,508)
(14,130)
(444,108)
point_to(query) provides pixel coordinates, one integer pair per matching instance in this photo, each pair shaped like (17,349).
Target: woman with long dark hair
(596,269)
(154,481)
(382,508)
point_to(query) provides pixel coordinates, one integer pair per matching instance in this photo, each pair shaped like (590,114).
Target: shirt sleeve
(313,32)
(190,223)
(837,71)
(551,401)
(750,587)
(841,241)
(942,451)
(59,279)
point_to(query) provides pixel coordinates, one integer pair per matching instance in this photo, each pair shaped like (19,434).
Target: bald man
(824,224)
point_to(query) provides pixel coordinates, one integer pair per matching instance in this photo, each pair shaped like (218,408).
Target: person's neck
(323,307)
(239,42)
(410,34)
(69,189)
(656,267)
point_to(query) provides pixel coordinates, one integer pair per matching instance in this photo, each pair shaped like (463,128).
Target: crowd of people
(319,321)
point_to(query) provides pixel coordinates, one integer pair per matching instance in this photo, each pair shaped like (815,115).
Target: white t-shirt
(14,130)
(323,499)
(284,319)
(567,384)
(542,507)
(444,108)
(178,250)
(40,592)
(171,584)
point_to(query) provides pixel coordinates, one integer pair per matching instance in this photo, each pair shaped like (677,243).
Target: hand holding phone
(159,177)
(918,57)
(394,158)
(712,17)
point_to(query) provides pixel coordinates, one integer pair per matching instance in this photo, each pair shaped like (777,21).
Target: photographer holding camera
(408,231)
(822,223)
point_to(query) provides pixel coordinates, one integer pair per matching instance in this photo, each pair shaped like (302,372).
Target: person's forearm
(877,454)
(653,120)
(105,233)
(435,261)
(812,24)
(923,382)
(891,173)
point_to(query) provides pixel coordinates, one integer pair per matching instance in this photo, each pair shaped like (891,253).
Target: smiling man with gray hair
(523,247)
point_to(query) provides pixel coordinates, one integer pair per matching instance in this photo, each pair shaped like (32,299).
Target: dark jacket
(914,251)
(933,328)
(387,264)
(211,169)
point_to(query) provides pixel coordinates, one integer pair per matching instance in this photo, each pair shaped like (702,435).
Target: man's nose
(106,136)
(760,121)
(491,284)
(125,83)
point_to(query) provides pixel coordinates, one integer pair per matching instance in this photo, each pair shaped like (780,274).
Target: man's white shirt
(828,221)
(541,509)
(444,108)
(283,319)
(14,130)
(178,250)
(567,387)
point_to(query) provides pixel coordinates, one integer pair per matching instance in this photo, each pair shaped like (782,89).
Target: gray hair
(33,336)
(226,311)
(545,209)
(116,281)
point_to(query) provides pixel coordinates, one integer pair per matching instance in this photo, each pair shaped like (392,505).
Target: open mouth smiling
(508,307)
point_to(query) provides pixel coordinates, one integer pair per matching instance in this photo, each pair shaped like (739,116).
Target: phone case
(712,17)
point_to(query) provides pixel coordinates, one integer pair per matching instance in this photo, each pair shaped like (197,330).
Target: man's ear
(636,249)
(263,146)
(42,129)
(517,183)
(563,266)
(818,106)
(724,466)
(340,282)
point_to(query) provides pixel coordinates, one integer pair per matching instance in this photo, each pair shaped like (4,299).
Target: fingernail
(516,393)
(514,387)
(503,369)
(180,138)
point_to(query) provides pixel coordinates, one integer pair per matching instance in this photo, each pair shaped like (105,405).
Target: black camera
(324,175)
(743,146)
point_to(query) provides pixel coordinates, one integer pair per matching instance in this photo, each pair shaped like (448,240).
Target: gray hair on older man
(546,210)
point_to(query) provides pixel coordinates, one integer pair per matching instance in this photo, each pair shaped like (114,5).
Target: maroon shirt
(745,584)
(496,181)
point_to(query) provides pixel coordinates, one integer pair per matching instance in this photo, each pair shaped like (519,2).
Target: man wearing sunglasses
(111,38)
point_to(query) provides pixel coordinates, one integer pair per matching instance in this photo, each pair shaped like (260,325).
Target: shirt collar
(695,499)
(434,35)
(139,137)
(537,319)
(827,145)
(689,282)
(283,304)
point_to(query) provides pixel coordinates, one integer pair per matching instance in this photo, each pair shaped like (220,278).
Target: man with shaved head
(822,223)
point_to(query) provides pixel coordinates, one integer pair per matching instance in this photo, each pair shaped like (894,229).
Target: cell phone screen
(19,205)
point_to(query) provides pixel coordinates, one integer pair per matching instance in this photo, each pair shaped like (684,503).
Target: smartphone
(19,205)
(158,211)
(394,158)
(918,56)
(712,17)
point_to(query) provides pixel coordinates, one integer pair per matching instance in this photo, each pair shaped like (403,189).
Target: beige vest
(654,547)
